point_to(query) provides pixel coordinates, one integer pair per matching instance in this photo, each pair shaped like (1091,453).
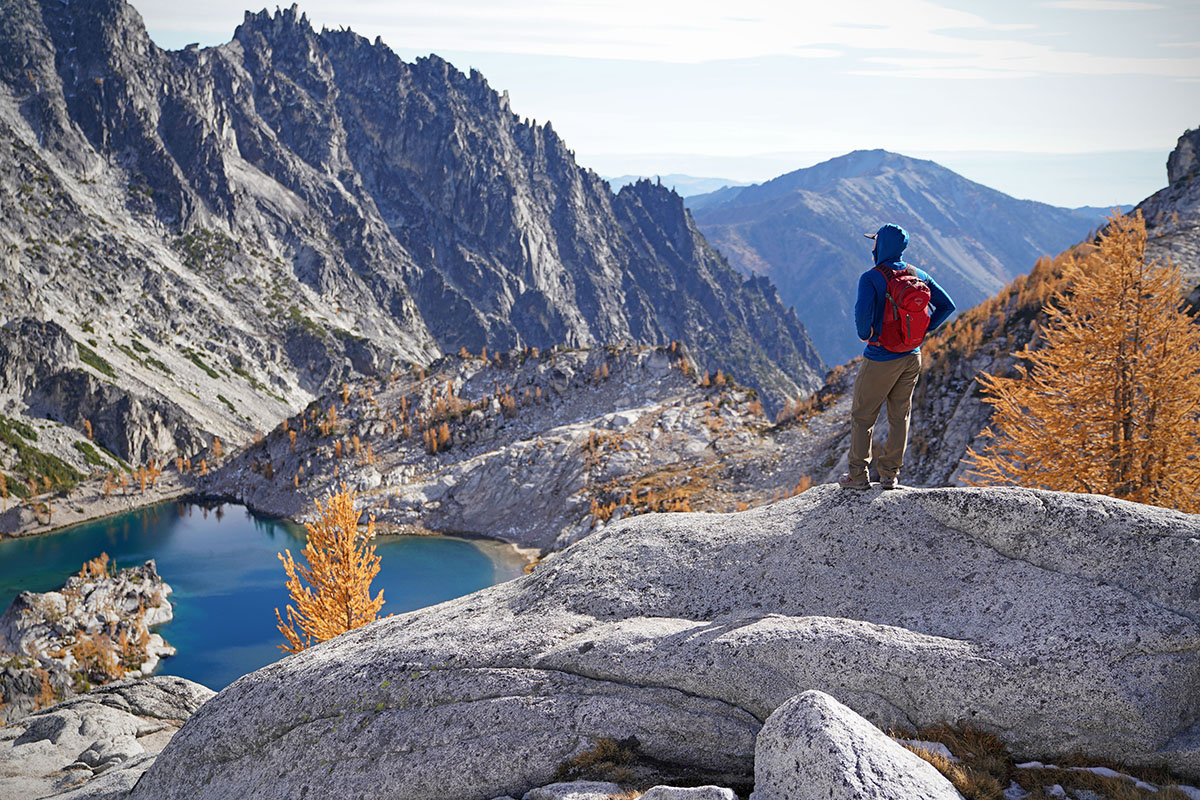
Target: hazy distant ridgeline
(804,230)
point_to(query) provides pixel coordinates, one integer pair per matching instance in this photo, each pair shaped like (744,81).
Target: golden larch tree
(331,592)
(1110,401)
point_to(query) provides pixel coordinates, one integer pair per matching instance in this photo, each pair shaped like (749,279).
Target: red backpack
(906,310)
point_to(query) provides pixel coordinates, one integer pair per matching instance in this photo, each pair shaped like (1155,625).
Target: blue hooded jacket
(890,242)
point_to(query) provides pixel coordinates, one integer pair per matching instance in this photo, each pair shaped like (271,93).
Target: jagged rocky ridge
(1173,214)
(804,230)
(236,229)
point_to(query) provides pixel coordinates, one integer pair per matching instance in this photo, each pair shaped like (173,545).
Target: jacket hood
(890,241)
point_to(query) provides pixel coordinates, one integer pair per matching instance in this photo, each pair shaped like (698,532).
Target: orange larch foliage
(1110,403)
(331,591)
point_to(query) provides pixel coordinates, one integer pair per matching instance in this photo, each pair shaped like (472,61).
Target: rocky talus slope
(222,234)
(535,448)
(804,230)
(1061,623)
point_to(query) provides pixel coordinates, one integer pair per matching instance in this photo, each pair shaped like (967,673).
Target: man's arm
(864,307)
(941,303)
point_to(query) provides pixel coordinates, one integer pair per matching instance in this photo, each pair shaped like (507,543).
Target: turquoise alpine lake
(221,562)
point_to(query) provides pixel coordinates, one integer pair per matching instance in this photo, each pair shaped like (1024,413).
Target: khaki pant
(878,381)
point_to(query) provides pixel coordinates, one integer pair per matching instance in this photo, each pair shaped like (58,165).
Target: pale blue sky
(1070,102)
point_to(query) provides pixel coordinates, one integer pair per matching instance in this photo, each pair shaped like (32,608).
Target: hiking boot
(889,483)
(847,482)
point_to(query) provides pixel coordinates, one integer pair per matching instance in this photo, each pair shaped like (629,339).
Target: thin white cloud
(1104,5)
(929,39)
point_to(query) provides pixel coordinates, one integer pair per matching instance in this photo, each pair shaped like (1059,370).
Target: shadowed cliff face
(294,207)
(1173,214)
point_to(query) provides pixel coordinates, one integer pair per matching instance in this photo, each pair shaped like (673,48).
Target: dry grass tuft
(1073,780)
(986,768)
(972,783)
(609,760)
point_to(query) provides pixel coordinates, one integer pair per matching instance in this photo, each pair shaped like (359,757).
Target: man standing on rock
(897,305)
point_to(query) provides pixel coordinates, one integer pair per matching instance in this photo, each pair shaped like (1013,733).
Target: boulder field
(1062,623)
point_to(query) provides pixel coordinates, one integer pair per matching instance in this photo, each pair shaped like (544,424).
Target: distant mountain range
(682,185)
(805,229)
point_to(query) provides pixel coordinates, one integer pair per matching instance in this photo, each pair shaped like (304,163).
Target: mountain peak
(865,162)
(823,176)
(806,227)
(282,16)
(272,26)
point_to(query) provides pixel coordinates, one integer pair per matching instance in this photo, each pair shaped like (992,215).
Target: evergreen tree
(1110,401)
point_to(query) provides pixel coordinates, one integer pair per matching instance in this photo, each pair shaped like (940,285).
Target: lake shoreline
(527,555)
(171,488)
(221,560)
(88,503)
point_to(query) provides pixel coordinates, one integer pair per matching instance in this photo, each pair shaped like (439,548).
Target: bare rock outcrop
(1173,214)
(1061,623)
(94,629)
(98,744)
